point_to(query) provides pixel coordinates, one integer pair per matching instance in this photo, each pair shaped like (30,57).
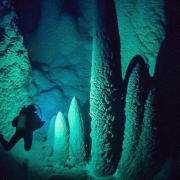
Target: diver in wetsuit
(27,122)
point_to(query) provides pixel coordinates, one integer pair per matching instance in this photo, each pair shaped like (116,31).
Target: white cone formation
(76,140)
(61,138)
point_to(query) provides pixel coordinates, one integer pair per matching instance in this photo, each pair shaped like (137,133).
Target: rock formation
(16,89)
(76,127)
(106,91)
(148,140)
(130,163)
(61,139)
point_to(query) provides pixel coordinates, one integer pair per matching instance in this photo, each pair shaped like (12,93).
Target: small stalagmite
(61,139)
(76,126)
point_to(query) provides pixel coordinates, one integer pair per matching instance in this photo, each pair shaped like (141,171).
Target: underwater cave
(103,77)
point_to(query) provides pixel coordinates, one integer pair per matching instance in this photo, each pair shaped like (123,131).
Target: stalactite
(61,139)
(76,126)
(129,166)
(106,91)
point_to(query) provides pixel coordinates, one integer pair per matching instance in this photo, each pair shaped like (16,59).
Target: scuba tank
(28,118)
(22,120)
(34,119)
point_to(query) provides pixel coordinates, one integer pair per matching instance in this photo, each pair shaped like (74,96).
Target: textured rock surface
(105,95)
(60,50)
(61,139)
(129,166)
(141,27)
(148,138)
(64,43)
(76,128)
(61,58)
(15,73)
(41,81)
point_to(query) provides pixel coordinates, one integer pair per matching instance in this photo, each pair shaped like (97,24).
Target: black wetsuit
(25,126)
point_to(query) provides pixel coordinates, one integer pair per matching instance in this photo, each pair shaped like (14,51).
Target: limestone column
(106,91)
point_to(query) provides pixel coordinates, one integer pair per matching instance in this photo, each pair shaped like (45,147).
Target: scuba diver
(27,122)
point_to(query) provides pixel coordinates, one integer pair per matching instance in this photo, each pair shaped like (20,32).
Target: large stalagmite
(76,126)
(129,166)
(147,141)
(105,96)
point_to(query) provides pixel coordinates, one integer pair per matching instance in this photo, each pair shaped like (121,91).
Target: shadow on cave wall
(87,126)
(29,14)
(71,7)
(137,59)
(167,79)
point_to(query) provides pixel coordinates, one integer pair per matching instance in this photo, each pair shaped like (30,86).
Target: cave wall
(58,36)
(60,47)
(61,58)
(15,71)
(60,54)
(141,28)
